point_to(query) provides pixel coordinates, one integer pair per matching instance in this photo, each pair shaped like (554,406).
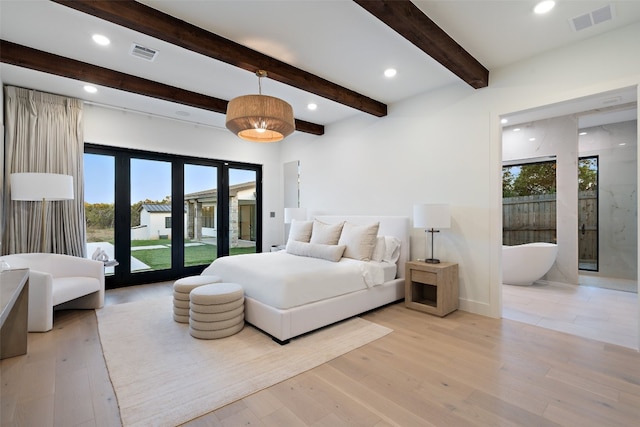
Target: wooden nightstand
(432,288)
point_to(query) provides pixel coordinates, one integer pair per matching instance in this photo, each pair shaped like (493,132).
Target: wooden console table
(14,312)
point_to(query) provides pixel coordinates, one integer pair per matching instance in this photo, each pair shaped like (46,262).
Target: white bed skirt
(286,324)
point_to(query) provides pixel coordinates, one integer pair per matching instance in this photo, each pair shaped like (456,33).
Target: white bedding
(283,280)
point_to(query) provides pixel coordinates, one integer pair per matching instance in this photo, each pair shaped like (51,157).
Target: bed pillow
(379,249)
(391,249)
(315,250)
(325,234)
(300,230)
(359,240)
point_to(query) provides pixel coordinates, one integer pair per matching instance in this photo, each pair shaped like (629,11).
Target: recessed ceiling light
(516,130)
(390,72)
(312,106)
(90,89)
(622,144)
(101,40)
(504,121)
(532,139)
(544,7)
(582,133)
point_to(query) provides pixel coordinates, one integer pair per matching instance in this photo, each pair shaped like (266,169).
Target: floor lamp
(431,217)
(32,186)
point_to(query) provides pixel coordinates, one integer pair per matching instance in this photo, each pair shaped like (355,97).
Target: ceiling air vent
(595,17)
(143,52)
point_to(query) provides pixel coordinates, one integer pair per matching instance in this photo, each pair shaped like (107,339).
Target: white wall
(445,146)
(117,128)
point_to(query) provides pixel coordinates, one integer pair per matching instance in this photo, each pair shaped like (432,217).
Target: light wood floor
(602,314)
(461,370)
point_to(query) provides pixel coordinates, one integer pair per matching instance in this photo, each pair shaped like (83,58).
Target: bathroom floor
(602,314)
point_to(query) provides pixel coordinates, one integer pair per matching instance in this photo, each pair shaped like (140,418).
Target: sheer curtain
(43,133)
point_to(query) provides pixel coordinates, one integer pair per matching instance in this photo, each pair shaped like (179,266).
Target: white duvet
(283,280)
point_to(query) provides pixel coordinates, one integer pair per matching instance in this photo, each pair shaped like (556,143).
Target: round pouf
(216,310)
(182,288)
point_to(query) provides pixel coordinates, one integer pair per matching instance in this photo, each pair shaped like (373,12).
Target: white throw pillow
(360,240)
(300,230)
(378,251)
(313,250)
(325,234)
(392,249)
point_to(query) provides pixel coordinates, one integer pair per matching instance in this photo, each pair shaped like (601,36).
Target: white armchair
(60,281)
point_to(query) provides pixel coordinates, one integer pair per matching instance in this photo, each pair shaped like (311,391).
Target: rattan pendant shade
(260,118)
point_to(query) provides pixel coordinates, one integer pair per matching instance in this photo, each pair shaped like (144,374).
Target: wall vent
(143,52)
(592,18)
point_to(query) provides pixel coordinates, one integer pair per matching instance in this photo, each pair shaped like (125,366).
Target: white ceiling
(334,39)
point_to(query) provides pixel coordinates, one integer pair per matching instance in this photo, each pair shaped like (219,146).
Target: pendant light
(260,118)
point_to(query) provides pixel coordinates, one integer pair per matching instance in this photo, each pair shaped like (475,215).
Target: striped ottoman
(216,311)
(182,288)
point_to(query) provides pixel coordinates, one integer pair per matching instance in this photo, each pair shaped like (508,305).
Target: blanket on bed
(283,280)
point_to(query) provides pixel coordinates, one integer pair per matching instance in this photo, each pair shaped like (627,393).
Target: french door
(171,216)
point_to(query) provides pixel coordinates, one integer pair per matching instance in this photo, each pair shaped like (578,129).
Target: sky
(150,179)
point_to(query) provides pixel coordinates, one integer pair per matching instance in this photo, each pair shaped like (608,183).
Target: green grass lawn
(160,258)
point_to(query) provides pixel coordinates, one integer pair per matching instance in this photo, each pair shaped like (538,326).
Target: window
(529,203)
(588,213)
(169,216)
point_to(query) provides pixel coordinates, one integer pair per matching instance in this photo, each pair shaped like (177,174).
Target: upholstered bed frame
(283,325)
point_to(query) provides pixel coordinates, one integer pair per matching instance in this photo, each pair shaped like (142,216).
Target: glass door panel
(151,218)
(588,213)
(201,207)
(243,218)
(99,202)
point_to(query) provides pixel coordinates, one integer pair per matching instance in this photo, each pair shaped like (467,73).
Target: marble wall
(616,148)
(556,137)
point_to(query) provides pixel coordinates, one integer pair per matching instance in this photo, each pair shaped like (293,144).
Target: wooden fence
(528,219)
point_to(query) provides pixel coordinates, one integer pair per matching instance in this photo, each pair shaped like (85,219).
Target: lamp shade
(299,214)
(260,118)
(431,216)
(41,186)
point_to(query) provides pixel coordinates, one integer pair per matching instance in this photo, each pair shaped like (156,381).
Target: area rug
(162,376)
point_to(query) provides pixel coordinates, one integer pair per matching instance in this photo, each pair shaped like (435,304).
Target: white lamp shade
(299,214)
(431,216)
(38,186)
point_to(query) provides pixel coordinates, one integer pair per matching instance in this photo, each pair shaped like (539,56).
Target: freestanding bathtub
(524,264)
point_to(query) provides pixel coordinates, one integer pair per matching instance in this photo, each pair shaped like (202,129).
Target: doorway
(599,112)
(165,216)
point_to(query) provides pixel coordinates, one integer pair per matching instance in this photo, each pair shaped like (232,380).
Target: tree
(535,178)
(99,215)
(508,176)
(588,174)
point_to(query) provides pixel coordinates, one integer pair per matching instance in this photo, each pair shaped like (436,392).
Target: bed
(280,298)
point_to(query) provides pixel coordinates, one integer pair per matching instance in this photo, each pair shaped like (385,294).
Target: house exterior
(202,208)
(155,222)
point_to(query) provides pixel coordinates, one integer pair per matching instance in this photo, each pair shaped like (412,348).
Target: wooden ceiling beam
(22,56)
(144,19)
(411,23)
